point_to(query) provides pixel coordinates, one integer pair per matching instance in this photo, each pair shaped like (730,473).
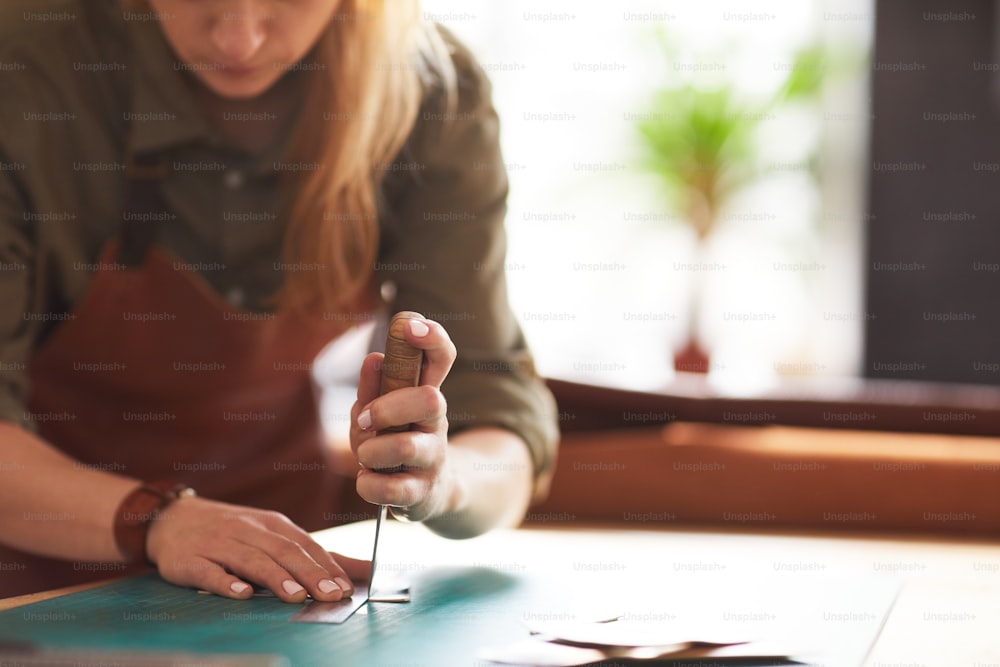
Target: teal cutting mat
(468,595)
(455,612)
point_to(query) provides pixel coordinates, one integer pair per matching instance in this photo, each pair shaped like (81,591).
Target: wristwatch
(138,510)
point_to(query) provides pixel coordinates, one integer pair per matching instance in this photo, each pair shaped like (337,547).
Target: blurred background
(780,194)
(668,155)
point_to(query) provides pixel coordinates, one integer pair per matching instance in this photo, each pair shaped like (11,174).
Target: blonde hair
(380,62)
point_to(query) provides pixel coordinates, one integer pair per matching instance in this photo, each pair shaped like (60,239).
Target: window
(600,270)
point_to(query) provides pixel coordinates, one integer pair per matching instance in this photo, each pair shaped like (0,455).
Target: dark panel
(933,238)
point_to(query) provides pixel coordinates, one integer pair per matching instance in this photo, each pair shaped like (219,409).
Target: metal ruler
(333,612)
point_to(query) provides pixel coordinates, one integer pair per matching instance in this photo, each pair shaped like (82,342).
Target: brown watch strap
(137,510)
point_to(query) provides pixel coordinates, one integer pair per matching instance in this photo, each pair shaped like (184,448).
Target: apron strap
(144,206)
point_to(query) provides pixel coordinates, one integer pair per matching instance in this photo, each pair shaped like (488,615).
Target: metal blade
(378,527)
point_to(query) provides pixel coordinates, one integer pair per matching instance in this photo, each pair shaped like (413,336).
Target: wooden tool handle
(402,363)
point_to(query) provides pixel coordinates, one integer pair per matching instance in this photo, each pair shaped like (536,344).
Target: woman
(195,198)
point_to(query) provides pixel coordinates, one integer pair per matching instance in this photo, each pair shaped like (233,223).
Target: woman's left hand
(425,485)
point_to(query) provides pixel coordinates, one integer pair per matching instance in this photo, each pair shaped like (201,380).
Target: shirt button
(233,179)
(236,296)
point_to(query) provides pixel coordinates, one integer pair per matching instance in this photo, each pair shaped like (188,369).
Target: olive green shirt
(68,69)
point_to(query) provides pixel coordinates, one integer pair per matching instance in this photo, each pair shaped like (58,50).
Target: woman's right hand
(224,548)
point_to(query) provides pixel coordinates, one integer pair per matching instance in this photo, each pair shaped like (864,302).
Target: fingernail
(239,587)
(365,420)
(328,586)
(291,587)
(418,328)
(345,585)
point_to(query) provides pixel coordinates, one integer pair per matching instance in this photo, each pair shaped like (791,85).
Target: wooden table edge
(32,598)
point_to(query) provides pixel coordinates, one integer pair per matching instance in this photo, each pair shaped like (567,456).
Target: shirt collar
(164,112)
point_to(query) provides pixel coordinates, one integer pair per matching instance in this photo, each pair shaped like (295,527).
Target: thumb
(356,569)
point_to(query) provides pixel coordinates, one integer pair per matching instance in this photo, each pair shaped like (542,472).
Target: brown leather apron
(157,377)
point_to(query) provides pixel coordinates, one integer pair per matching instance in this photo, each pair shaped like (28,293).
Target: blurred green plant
(701,140)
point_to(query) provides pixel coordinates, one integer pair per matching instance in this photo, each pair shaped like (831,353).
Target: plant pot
(692,357)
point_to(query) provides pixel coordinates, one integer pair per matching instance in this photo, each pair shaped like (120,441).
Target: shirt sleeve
(443,248)
(17,332)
